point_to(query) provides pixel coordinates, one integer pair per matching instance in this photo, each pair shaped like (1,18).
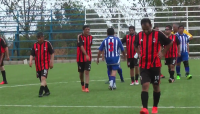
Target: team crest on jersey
(36,49)
(45,48)
(141,40)
(154,40)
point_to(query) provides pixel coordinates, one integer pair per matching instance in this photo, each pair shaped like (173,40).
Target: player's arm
(80,43)
(188,34)
(31,56)
(51,52)
(100,51)
(103,58)
(136,44)
(164,41)
(2,54)
(178,46)
(123,40)
(4,45)
(122,49)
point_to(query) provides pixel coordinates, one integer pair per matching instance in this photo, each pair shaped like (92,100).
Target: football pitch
(20,96)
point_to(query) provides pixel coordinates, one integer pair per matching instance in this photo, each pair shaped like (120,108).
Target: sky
(102,10)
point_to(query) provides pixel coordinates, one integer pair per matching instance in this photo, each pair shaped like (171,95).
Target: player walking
(131,60)
(147,44)
(44,57)
(184,44)
(172,53)
(84,57)
(112,46)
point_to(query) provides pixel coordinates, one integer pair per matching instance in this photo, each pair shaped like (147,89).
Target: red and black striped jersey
(3,45)
(149,47)
(42,54)
(173,51)
(129,40)
(86,42)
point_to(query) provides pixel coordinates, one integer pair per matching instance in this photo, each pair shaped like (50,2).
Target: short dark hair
(131,27)
(155,27)
(110,31)
(86,26)
(169,26)
(40,34)
(145,20)
(181,26)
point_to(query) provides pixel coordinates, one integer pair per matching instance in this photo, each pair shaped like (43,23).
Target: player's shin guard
(144,97)
(41,91)
(136,76)
(172,74)
(108,72)
(120,74)
(156,98)
(46,89)
(178,70)
(186,65)
(4,75)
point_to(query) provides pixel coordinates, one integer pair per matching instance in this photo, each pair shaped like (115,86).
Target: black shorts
(42,73)
(131,62)
(170,61)
(150,75)
(82,66)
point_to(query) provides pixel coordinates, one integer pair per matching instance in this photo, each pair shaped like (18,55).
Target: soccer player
(84,56)
(108,71)
(172,53)
(147,44)
(184,44)
(43,52)
(131,60)
(111,46)
(3,72)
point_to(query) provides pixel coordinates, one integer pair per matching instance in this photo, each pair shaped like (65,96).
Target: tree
(23,12)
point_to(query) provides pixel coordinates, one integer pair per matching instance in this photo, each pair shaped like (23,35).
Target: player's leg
(136,65)
(131,65)
(172,69)
(43,87)
(186,65)
(178,68)
(108,73)
(120,74)
(87,68)
(155,79)
(114,69)
(145,82)
(3,72)
(81,74)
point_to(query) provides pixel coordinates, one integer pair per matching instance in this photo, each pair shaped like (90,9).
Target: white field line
(57,106)
(50,83)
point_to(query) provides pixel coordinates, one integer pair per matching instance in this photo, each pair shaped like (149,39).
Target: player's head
(86,29)
(175,27)
(168,30)
(131,30)
(156,28)
(40,37)
(180,29)
(146,25)
(110,31)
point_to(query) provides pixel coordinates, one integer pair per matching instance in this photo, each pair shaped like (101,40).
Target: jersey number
(111,46)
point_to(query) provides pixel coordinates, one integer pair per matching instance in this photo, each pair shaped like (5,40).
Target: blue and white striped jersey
(184,40)
(112,46)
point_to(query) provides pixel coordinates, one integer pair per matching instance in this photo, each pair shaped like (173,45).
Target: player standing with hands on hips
(112,46)
(43,52)
(148,44)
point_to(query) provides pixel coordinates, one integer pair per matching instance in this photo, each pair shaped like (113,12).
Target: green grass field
(20,95)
